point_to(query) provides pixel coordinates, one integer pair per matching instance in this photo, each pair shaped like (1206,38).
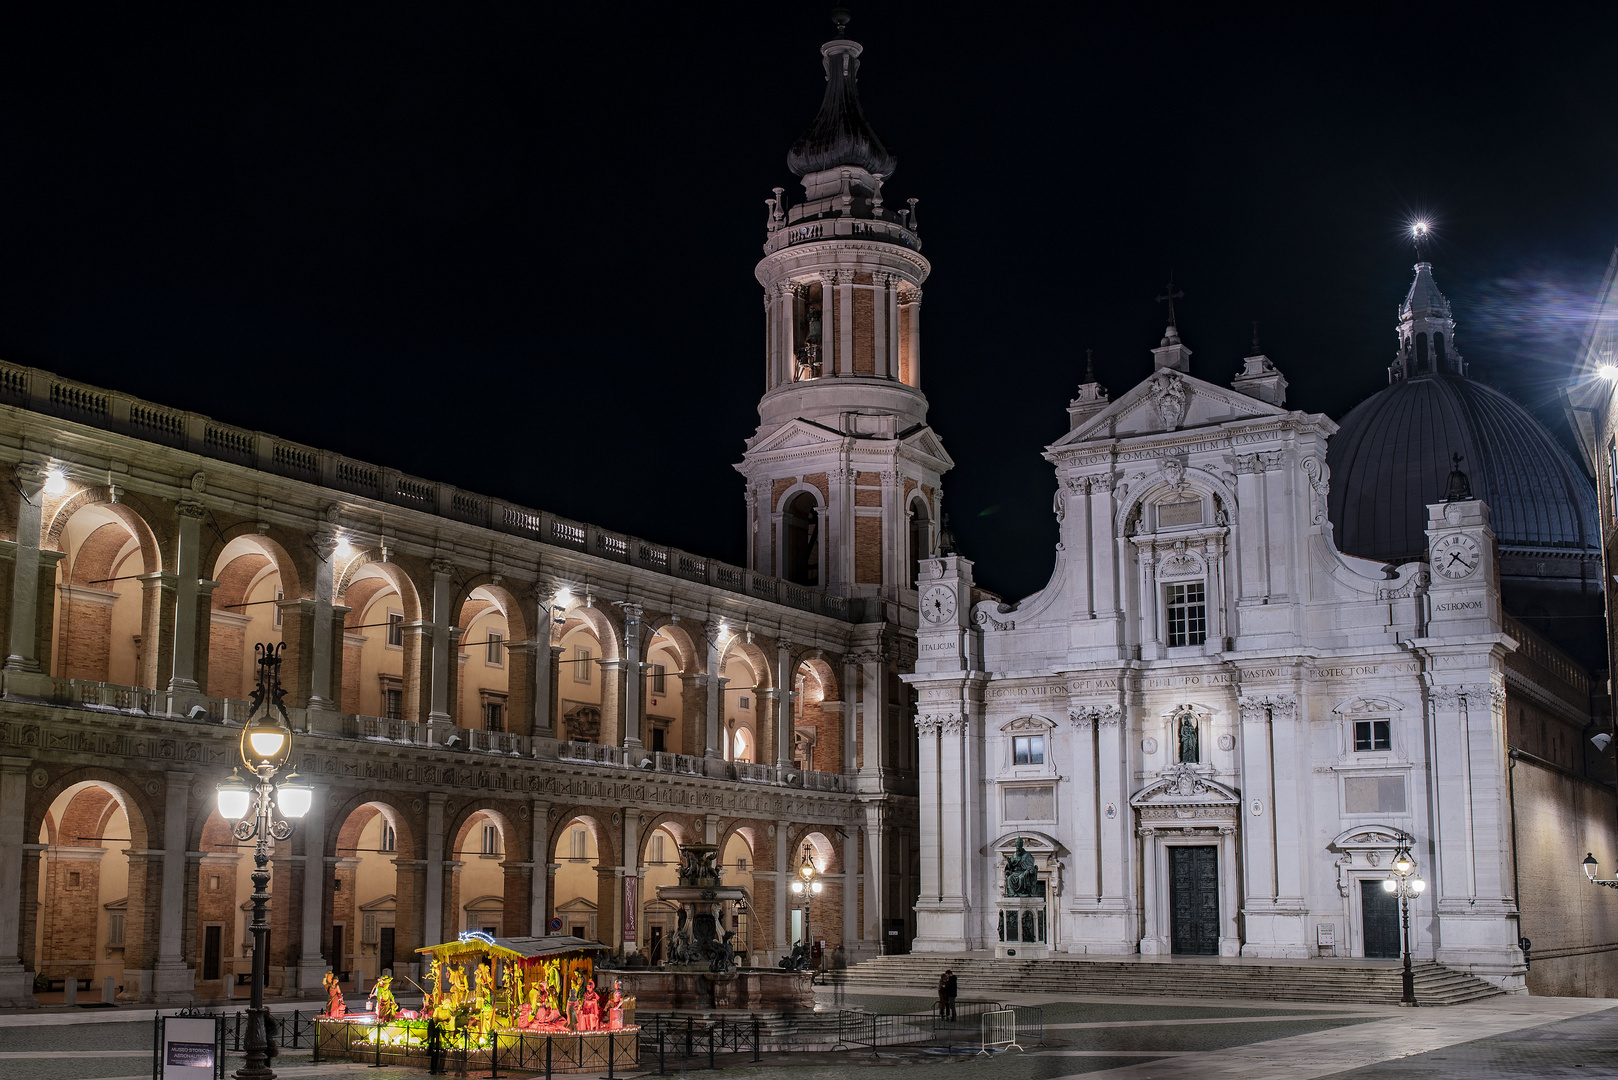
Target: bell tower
(843,473)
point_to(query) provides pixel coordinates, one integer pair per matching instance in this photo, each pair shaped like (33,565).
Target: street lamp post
(1590,867)
(806,884)
(266,745)
(1403,880)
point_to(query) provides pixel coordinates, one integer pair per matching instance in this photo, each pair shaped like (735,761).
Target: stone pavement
(1111,1038)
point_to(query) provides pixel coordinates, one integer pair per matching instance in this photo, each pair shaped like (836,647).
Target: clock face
(1456,556)
(938,604)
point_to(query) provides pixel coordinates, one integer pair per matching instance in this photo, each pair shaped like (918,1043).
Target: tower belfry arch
(843,461)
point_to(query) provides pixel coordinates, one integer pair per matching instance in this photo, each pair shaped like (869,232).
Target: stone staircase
(1349,982)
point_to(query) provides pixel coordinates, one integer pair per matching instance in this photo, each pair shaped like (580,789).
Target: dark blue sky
(515,253)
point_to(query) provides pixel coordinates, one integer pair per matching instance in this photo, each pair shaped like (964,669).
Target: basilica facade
(1214,728)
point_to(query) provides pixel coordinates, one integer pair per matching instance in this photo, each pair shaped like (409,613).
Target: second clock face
(938,604)
(1456,555)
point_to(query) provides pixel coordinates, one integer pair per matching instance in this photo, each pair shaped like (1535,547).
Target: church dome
(840,134)
(1392,455)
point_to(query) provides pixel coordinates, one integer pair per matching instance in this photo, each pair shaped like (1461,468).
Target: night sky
(517,255)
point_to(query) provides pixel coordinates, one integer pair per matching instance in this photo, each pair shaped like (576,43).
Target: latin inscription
(1460,605)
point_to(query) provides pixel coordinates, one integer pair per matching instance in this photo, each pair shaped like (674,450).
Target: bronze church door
(1194,899)
(1379,910)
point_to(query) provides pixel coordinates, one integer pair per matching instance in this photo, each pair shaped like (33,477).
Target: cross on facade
(1171,295)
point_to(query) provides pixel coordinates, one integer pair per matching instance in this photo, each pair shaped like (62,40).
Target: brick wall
(864,326)
(868,550)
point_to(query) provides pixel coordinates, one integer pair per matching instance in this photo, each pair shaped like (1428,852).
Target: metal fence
(682,1039)
(290,1032)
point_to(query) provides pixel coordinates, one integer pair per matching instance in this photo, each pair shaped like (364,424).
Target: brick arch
(460,826)
(397,576)
(144,820)
(379,802)
(598,821)
(825,675)
(521,615)
(294,571)
(605,626)
(691,656)
(152,551)
(826,852)
(753,656)
(756,834)
(99,554)
(676,824)
(235,577)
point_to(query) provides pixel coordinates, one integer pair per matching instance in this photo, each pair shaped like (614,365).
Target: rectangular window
(1028,750)
(1031,803)
(393,704)
(1612,477)
(1374,795)
(495,656)
(368,929)
(213,883)
(744,702)
(1372,735)
(582,658)
(491,840)
(575,845)
(494,716)
(115,929)
(1188,615)
(656,851)
(388,837)
(396,629)
(741,864)
(660,678)
(279,596)
(74,879)
(211,948)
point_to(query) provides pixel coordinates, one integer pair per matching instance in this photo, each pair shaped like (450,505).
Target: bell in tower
(843,473)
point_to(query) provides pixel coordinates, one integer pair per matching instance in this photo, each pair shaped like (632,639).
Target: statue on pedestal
(1022,874)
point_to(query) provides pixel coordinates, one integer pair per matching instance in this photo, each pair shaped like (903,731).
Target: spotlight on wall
(1601,739)
(454,739)
(344,548)
(198,712)
(1608,372)
(55,482)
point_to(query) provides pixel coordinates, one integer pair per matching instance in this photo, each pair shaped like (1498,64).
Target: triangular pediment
(795,435)
(1169,401)
(1185,785)
(925,441)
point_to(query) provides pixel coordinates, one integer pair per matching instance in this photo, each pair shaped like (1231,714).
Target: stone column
(873,725)
(1150,944)
(156,628)
(634,680)
(850,675)
(183,668)
(879,324)
(443,593)
(631,922)
(710,831)
(1229,943)
(1117,879)
(830,353)
(764,752)
(782,873)
(612,700)
(542,723)
(16,981)
(1086,886)
(851,890)
(1152,643)
(312,964)
(539,849)
(1291,771)
(321,698)
(432,915)
(932,804)
(784,683)
(954,801)
(1258,838)
(714,746)
(876,880)
(24,650)
(172,977)
(1104,580)
(845,323)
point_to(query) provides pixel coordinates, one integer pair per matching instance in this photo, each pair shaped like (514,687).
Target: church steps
(1325,982)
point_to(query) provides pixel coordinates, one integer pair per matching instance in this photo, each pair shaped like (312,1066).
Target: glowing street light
(1403,880)
(1608,372)
(265,746)
(55,482)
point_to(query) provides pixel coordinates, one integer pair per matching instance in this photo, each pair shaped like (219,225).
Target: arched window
(921,539)
(1421,352)
(1438,350)
(800,540)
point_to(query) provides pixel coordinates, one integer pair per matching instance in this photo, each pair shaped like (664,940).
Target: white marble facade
(1289,727)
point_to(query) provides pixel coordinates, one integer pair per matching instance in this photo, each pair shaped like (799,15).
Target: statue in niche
(1190,751)
(1022,875)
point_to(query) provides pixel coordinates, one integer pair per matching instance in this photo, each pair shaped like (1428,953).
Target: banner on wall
(631,907)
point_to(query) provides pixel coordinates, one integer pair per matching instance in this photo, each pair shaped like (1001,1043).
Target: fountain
(700,970)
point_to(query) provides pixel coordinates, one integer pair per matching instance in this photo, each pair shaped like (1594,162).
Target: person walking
(946,995)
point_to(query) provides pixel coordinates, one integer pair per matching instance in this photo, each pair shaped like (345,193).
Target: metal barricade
(999,1031)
